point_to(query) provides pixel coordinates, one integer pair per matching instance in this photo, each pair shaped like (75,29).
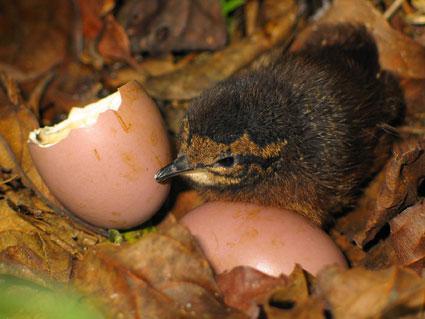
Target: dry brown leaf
(114,44)
(30,253)
(415,92)
(312,308)
(37,90)
(295,300)
(380,256)
(397,52)
(174,112)
(125,74)
(277,298)
(33,36)
(74,85)
(163,275)
(16,122)
(34,244)
(414,96)
(207,70)
(297,289)
(10,221)
(91,13)
(354,253)
(360,293)
(34,252)
(149,67)
(59,229)
(408,237)
(24,212)
(174,25)
(251,15)
(393,190)
(245,288)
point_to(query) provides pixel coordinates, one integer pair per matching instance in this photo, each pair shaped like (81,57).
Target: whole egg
(269,239)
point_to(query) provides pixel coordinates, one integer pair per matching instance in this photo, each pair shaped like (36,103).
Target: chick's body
(302,133)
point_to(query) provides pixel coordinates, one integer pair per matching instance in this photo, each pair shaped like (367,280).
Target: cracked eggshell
(271,240)
(104,171)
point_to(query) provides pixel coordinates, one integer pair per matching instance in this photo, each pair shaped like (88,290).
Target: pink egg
(101,162)
(269,239)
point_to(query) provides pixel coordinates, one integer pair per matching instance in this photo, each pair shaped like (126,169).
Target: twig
(7,180)
(411,130)
(393,8)
(251,9)
(12,89)
(34,100)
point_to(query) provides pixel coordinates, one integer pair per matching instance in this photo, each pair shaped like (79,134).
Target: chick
(302,133)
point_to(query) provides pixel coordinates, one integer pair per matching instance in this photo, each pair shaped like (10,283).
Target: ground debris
(59,54)
(162,275)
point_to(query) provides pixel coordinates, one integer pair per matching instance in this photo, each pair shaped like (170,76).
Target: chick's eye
(226,162)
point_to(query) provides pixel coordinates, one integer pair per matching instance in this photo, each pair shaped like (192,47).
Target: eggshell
(269,239)
(105,173)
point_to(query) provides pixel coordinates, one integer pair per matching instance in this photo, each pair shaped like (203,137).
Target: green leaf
(118,237)
(228,6)
(20,299)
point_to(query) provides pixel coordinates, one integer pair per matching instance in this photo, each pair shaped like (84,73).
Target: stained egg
(101,161)
(269,239)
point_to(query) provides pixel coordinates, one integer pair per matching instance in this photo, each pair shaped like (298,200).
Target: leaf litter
(164,274)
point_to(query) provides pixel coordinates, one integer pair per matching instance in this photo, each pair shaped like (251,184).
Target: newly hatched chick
(301,134)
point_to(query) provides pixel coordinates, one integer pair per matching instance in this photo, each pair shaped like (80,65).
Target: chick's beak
(177,167)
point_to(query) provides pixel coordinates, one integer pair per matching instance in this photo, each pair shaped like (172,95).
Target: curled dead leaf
(414,96)
(272,297)
(41,258)
(207,70)
(91,24)
(16,122)
(74,85)
(295,300)
(163,275)
(163,26)
(408,236)
(28,253)
(91,13)
(34,36)
(245,288)
(114,44)
(360,293)
(394,189)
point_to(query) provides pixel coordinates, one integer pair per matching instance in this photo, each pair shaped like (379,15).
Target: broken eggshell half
(101,161)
